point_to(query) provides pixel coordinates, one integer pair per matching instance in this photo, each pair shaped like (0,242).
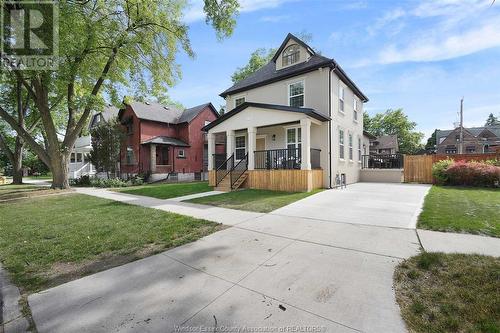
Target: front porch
(282,152)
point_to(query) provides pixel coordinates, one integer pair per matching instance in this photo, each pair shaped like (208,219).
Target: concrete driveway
(389,205)
(274,272)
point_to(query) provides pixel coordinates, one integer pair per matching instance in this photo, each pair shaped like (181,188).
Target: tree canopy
(492,120)
(395,122)
(104,45)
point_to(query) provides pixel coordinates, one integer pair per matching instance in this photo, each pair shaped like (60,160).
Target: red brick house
(164,141)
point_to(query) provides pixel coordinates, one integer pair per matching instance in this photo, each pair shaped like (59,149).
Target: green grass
(18,191)
(253,200)
(46,241)
(449,293)
(167,191)
(459,209)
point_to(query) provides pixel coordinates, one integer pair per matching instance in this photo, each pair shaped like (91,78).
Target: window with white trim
(181,153)
(130,155)
(293,138)
(73,158)
(238,101)
(290,55)
(359,149)
(240,147)
(341,99)
(296,94)
(350,147)
(341,143)
(355,109)
(78,157)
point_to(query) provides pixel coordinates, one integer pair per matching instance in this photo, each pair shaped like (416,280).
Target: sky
(422,56)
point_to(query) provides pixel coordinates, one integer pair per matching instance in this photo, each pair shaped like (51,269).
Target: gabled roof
(269,74)
(167,114)
(386,141)
(297,40)
(106,115)
(474,131)
(369,135)
(307,111)
(165,140)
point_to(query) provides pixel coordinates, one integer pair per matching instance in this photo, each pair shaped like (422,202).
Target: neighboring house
(79,164)
(384,145)
(297,123)
(476,140)
(165,141)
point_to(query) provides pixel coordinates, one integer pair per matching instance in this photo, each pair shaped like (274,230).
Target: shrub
(439,171)
(111,182)
(82,181)
(473,174)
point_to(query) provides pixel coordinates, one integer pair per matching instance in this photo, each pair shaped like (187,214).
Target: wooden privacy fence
(418,168)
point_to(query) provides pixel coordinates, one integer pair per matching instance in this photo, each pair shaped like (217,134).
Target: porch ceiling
(260,115)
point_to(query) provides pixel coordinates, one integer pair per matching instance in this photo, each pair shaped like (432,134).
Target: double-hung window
(294,141)
(238,101)
(296,94)
(355,109)
(341,143)
(359,150)
(341,99)
(350,147)
(240,147)
(130,155)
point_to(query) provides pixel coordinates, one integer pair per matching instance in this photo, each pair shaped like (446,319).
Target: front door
(260,144)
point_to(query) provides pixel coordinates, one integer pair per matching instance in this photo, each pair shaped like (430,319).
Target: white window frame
(181,153)
(303,92)
(341,99)
(236,98)
(298,138)
(355,114)
(289,57)
(79,160)
(350,142)
(72,158)
(244,147)
(341,143)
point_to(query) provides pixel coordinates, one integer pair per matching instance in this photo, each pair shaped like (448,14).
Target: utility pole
(461,140)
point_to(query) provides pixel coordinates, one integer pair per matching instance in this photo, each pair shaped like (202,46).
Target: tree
(431,142)
(261,57)
(395,122)
(17,104)
(106,140)
(492,120)
(102,45)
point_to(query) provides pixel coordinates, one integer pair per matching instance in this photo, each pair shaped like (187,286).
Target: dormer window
(291,55)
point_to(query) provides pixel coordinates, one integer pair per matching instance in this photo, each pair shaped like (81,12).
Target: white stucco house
(79,164)
(296,124)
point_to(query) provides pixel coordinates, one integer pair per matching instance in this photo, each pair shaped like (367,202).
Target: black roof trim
(282,46)
(307,111)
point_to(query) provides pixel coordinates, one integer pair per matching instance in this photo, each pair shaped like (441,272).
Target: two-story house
(295,124)
(476,140)
(79,163)
(384,145)
(166,141)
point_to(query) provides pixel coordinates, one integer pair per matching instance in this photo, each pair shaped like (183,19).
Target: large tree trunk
(17,163)
(59,168)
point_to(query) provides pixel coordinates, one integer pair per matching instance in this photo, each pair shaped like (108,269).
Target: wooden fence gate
(418,168)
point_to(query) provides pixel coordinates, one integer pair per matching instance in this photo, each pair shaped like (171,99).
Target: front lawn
(449,293)
(8,192)
(46,241)
(253,200)
(167,191)
(462,209)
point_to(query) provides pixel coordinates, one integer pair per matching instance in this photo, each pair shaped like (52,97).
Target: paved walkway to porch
(268,270)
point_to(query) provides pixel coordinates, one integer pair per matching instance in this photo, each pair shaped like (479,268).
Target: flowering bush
(471,174)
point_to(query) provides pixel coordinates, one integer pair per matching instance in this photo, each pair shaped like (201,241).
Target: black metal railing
(278,159)
(224,169)
(385,161)
(315,158)
(219,159)
(238,170)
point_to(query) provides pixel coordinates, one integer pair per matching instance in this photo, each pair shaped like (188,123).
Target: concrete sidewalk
(449,242)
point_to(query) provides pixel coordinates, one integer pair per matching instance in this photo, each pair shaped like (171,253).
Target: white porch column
(152,149)
(211,150)
(229,143)
(305,128)
(252,137)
